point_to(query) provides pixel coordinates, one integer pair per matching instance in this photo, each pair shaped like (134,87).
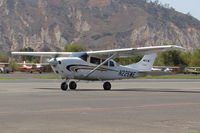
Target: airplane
(167,69)
(99,65)
(31,67)
(4,68)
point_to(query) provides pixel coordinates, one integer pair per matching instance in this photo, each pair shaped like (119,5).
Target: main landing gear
(64,86)
(107,86)
(72,85)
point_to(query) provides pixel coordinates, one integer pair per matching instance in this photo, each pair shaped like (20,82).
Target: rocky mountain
(47,25)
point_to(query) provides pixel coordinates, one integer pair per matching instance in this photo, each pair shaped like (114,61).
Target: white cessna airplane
(98,65)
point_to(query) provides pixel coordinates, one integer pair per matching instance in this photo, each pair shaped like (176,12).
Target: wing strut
(92,71)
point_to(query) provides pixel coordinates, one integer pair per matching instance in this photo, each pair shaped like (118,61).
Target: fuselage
(77,68)
(32,67)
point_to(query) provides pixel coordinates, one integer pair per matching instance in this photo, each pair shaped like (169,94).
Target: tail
(24,64)
(145,64)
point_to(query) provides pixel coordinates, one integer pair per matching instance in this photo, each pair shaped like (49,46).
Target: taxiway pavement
(141,106)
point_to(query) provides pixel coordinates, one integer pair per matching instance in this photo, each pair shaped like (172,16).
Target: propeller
(53,61)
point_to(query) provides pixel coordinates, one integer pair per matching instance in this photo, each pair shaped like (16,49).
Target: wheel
(107,86)
(64,86)
(72,85)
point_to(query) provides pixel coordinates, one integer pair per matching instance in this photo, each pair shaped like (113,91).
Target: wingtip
(14,53)
(177,47)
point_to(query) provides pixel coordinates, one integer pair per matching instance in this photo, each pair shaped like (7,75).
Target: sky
(185,6)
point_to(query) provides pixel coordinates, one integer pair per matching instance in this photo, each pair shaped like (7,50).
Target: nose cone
(53,62)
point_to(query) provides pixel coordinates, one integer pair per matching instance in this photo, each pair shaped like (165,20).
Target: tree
(13,64)
(171,58)
(3,57)
(186,57)
(29,58)
(74,48)
(195,58)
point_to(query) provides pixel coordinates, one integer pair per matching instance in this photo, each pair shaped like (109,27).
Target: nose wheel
(107,86)
(72,85)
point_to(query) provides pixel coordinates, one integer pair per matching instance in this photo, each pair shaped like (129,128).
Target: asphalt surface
(141,106)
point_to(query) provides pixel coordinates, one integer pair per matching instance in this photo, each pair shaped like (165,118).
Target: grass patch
(170,77)
(8,78)
(46,77)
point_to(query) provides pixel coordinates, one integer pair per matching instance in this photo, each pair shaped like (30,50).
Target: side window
(105,64)
(95,60)
(112,64)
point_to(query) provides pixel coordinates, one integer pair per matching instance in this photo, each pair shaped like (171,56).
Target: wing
(44,54)
(43,64)
(2,63)
(107,53)
(134,51)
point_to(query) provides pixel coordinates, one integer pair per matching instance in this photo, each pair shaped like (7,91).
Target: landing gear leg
(64,86)
(107,86)
(72,85)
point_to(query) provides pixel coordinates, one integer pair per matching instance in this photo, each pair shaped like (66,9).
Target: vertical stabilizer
(145,64)
(24,64)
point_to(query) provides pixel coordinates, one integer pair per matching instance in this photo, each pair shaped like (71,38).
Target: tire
(64,86)
(72,85)
(107,86)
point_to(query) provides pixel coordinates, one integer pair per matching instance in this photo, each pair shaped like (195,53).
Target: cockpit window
(95,60)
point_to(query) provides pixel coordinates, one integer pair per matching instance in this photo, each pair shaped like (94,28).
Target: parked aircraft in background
(166,69)
(31,67)
(98,65)
(192,70)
